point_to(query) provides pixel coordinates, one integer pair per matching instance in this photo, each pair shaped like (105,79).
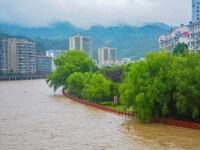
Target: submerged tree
(69,62)
(77,81)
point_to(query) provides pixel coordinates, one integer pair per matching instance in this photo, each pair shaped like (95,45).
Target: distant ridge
(39,47)
(130,41)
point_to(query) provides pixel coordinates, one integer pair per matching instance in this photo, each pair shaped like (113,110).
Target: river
(33,117)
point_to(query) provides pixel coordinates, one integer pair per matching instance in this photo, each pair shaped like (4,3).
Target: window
(197,18)
(197,10)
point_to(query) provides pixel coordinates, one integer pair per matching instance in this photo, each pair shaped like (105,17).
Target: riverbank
(133,115)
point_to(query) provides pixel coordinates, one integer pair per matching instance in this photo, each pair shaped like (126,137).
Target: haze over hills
(130,41)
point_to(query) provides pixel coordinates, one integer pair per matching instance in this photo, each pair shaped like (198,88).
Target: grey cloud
(84,13)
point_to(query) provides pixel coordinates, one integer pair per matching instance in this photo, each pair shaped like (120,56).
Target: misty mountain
(130,41)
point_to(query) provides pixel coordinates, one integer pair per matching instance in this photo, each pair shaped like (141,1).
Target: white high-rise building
(173,37)
(195,10)
(54,54)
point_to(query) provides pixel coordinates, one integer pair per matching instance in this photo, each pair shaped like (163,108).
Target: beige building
(80,42)
(172,38)
(194,36)
(17,55)
(107,56)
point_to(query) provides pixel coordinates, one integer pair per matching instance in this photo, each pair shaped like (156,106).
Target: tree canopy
(180,48)
(77,81)
(161,85)
(69,62)
(164,85)
(98,88)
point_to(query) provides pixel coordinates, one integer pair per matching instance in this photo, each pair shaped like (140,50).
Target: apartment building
(44,63)
(195,10)
(17,56)
(173,37)
(83,43)
(107,56)
(53,53)
(194,36)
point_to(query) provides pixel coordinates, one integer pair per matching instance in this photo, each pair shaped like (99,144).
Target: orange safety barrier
(133,115)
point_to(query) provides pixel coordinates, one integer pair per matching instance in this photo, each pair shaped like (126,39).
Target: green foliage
(114,104)
(188,85)
(146,86)
(77,81)
(181,48)
(97,89)
(68,63)
(164,86)
(106,103)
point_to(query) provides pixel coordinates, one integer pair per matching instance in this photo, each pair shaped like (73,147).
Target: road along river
(32,116)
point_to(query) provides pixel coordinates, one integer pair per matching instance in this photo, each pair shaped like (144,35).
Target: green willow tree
(76,83)
(188,86)
(149,86)
(69,62)
(97,89)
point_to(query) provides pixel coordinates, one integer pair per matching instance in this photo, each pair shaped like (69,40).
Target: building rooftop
(196,22)
(185,33)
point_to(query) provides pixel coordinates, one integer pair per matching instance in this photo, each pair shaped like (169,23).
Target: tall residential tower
(195,10)
(107,56)
(80,42)
(18,56)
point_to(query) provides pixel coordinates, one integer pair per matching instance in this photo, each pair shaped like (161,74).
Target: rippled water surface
(32,116)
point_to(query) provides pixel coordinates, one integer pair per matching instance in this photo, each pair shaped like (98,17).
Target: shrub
(107,103)
(114,104)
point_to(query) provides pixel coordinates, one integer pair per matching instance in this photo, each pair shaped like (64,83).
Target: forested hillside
(130,41)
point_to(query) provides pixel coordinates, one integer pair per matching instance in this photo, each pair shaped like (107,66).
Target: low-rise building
(173,37)
(126,60)
(53,53)
(194,36)
(44,63)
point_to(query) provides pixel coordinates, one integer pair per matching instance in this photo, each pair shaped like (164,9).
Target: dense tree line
(164,85)
(161,85)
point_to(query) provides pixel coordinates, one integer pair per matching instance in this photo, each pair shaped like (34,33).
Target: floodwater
(33,117)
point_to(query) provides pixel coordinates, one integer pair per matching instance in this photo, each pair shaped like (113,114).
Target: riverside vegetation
(161,85)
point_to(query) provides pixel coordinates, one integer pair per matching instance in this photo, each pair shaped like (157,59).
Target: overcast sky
(85,13)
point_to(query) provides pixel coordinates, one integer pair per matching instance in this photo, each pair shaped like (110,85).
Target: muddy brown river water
(33,117)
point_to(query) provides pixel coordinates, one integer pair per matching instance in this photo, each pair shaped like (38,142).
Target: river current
(33,117)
